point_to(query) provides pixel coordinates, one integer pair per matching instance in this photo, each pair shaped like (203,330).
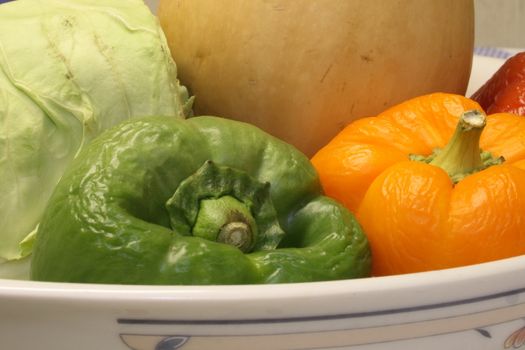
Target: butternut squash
(303,69)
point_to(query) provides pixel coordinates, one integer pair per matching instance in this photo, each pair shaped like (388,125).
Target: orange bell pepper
(427,197)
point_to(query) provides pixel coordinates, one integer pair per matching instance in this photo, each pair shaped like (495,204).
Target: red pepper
(504,92)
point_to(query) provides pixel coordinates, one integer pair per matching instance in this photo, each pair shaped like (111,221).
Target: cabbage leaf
(70,69)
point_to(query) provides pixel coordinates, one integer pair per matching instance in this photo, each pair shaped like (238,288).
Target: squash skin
(304,70)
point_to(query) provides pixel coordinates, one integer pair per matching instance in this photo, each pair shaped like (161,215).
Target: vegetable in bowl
(68,70)
(205,200)
(434,182)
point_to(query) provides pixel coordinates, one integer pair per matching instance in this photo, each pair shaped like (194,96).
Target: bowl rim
(474,280)
(393,299)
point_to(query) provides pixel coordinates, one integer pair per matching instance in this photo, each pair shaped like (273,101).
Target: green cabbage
(68,70)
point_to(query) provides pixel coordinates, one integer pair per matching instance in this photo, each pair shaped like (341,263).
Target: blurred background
(499,23)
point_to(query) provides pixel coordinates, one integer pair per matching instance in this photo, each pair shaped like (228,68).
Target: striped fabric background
(496,52)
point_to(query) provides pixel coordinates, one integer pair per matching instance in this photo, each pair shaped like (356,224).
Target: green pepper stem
(226,220)
(237,234)
(462,154)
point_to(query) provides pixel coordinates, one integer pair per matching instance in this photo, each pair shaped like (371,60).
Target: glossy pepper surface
(427,197)
(504,92)
(198,201)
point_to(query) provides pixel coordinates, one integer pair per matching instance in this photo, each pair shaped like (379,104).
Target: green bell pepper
(199,201)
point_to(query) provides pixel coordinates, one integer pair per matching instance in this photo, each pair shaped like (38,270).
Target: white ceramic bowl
(475,307)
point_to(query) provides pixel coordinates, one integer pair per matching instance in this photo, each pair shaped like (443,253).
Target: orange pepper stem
(462,154)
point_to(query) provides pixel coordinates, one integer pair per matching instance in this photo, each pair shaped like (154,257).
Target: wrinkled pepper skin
(125,210)
(504,92)
(417,215)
